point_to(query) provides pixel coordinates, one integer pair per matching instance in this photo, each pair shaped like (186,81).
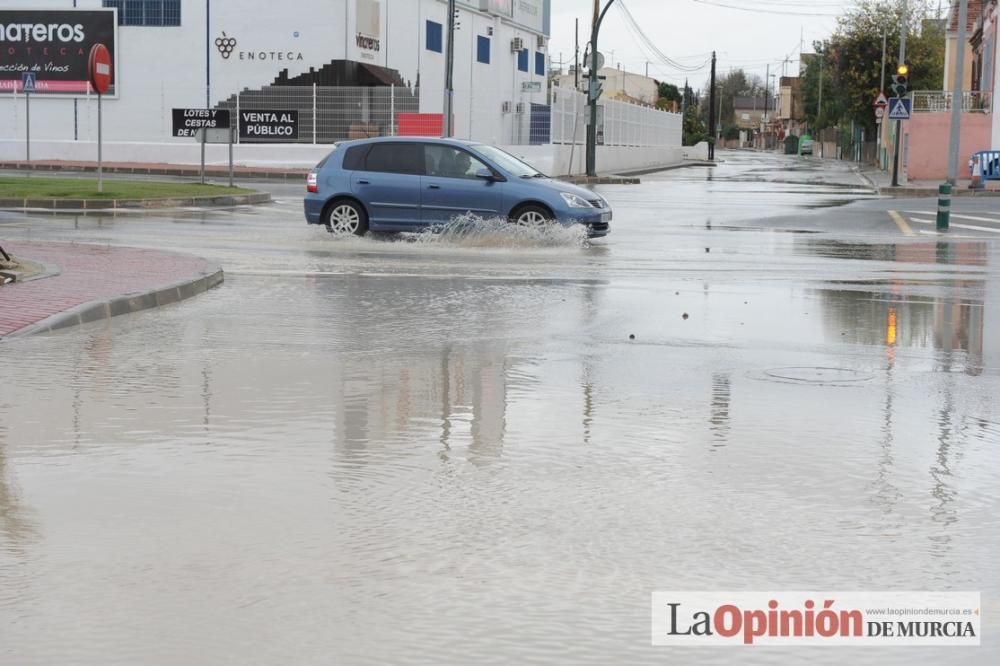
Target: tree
(851,59)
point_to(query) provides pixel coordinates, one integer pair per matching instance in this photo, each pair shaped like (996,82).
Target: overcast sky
(745,33)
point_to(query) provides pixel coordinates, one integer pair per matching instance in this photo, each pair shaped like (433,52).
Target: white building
(618,84)
(349,67)
(210,50)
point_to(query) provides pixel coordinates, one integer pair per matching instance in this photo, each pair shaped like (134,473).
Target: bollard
(944,206)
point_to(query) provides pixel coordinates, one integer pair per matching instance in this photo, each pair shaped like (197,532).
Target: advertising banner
(54,45)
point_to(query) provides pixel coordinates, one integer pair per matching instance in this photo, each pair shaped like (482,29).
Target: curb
(128,303)
(631,177)
(189,171)
(112,205)
(922,193)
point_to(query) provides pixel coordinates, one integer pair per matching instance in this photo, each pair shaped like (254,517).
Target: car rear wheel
(531,216)
(346,218)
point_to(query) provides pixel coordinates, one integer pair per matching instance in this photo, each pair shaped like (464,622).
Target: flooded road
(493,448)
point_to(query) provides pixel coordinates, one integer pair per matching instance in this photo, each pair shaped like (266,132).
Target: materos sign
(55,46)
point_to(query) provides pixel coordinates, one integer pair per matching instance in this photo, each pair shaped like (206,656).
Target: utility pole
(956,96)
(593,92)
(767,90)
(711,112)
(881,90)
(819,106)
(899,123)
(576,59)
(449,78)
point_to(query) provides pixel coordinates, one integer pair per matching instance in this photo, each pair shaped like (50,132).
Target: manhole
(819,375)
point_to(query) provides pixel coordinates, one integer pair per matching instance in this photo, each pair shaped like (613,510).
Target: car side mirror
(485,174)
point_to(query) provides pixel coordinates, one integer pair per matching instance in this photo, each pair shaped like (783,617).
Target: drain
(819,375)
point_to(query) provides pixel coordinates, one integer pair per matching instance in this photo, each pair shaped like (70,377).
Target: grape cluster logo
(225,45)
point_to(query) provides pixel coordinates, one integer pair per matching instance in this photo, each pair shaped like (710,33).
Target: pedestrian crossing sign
(28,82)
(899,108)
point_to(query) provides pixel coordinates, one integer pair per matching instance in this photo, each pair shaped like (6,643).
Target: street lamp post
(593,91)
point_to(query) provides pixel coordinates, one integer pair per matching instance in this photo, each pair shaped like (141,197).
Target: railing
(933,101)
(330,114)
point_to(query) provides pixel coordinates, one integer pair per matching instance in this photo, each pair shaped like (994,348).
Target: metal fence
(330,114)
(933,101)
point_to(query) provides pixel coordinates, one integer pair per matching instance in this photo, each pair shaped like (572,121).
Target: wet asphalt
(491,446)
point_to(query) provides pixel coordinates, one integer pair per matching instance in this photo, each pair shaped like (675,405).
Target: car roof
(407,139)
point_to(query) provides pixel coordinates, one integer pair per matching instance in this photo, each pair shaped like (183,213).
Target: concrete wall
(926,136)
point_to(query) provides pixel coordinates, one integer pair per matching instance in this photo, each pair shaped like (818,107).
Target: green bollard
(944,206)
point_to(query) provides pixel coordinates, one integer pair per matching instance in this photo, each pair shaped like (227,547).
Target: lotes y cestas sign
(54,45)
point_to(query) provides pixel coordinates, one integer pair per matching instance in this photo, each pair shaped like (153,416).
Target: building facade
(211,53)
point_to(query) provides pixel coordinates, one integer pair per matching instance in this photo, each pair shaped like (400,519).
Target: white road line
(970,227)
(946,235)
(964,217)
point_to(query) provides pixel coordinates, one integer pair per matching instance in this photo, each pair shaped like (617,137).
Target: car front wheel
(346,218)
(531,216)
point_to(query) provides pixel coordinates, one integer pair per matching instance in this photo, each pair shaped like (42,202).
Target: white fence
(618,123)
(330,114)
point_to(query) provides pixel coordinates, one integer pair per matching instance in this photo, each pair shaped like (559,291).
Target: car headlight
(574,201)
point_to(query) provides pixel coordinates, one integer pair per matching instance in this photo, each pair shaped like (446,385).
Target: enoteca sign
(55,46)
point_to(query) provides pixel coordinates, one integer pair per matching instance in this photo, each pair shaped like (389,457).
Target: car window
(354,158)
(450,162)
(405,158)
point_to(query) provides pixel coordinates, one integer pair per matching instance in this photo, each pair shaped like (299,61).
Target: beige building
(951,45)
(749,112)
(618,84)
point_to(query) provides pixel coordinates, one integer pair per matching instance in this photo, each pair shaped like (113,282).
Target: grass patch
(86,188)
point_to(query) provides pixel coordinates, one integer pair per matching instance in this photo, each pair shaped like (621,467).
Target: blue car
(409,184)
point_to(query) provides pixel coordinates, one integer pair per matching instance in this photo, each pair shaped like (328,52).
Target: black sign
(54,46)
(269,125)
(187,122)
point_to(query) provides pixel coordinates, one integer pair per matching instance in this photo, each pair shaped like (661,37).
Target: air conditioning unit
(541,42)
(520,107)
(489,31)
(506,107)
(516,45)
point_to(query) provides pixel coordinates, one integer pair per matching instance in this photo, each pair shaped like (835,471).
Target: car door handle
(363,182)
(434,187)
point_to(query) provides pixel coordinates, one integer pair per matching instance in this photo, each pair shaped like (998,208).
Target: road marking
(901,223)
(970,227)
(964,217)
(946,235)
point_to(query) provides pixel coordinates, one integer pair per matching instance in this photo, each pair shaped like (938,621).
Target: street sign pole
(27,126)
(100,145)
(99,67)
(203,157)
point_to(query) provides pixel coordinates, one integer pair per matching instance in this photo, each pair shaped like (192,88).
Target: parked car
(411,184)
(806,146)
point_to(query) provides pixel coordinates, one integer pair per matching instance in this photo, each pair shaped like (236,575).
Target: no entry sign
(187,122)
(269,125)
(99,66)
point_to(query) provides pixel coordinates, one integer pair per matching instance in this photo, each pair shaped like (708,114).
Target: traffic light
(900,80)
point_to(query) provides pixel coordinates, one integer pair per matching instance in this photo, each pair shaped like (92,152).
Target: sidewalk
(923,188)
(159,169)
(85,283)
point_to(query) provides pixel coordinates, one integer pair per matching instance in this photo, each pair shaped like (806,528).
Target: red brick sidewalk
(160,169)
(96,282)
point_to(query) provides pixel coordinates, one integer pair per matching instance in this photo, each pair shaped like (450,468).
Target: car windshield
(508,162)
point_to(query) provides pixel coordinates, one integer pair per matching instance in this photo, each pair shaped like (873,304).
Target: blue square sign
(899,108)
(28,82)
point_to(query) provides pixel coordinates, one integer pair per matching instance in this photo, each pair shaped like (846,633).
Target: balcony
(933,101)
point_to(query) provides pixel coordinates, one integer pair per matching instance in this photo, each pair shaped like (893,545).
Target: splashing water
(474,231)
